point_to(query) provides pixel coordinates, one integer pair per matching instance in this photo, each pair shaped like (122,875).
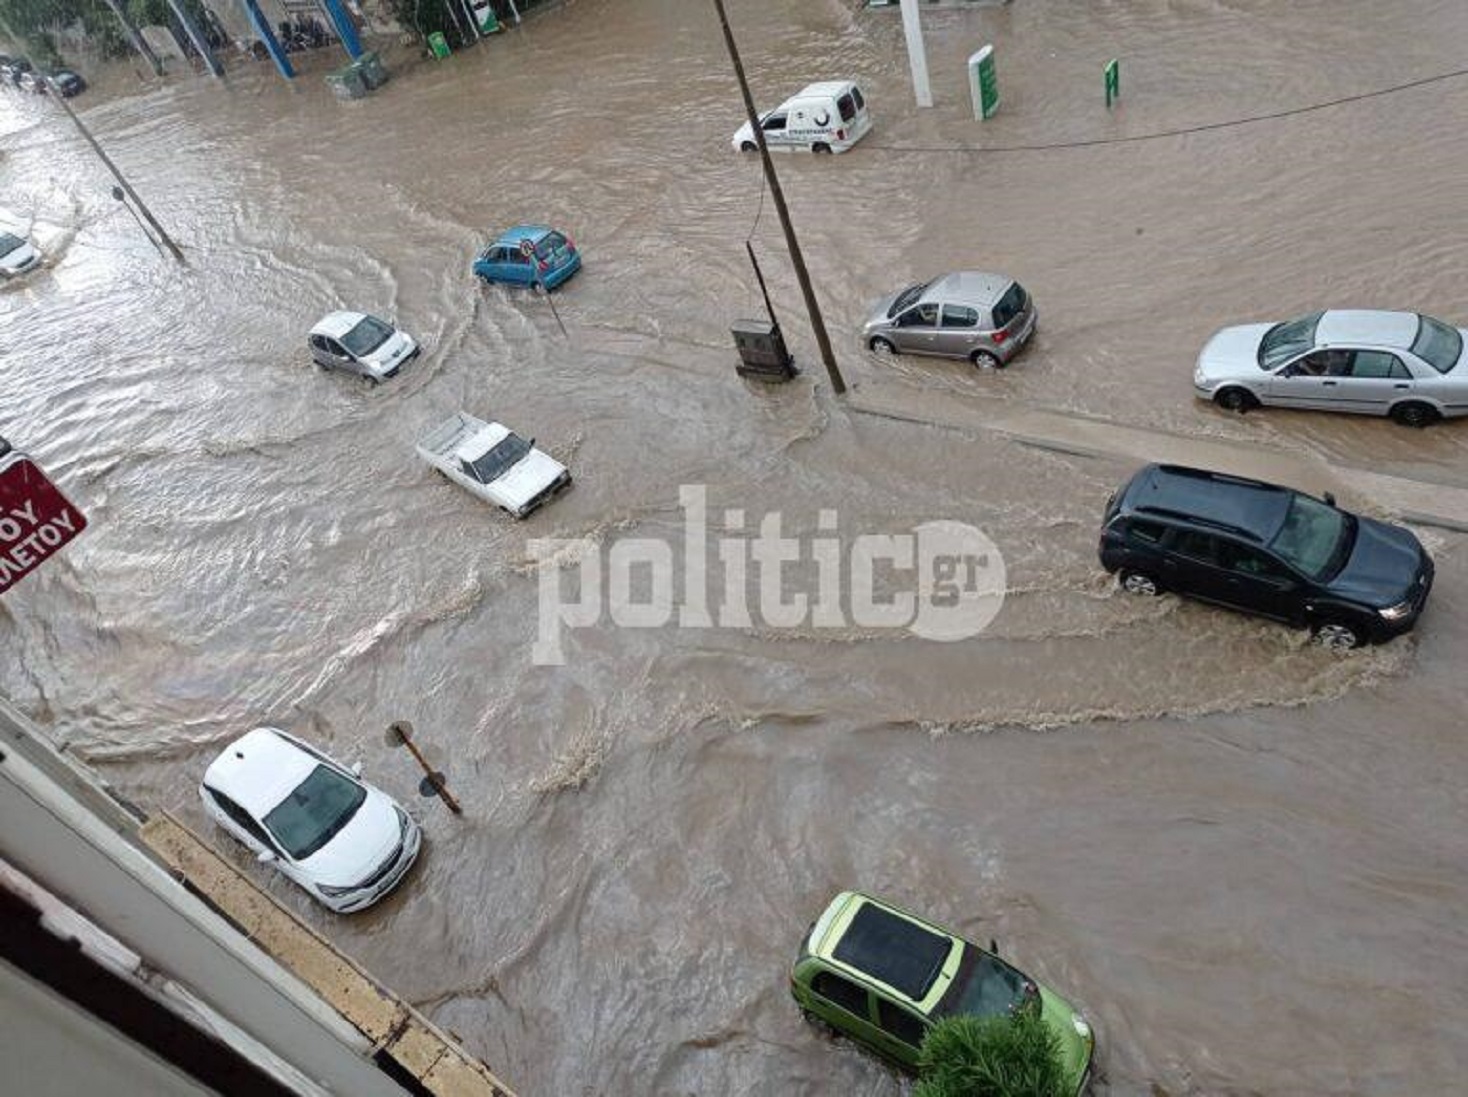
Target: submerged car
(1401,364)
(985,318)
(17,255)
(67,82)
(823,118)
(882,976)
(346,843)
(493,462)
(529,255)
(357,343)
(13,68)
(1266,550)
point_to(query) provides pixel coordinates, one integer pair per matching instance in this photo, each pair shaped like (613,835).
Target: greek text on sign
(36,520)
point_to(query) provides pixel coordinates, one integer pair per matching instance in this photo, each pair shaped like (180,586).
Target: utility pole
(917,56)
(778,196)
(60,100)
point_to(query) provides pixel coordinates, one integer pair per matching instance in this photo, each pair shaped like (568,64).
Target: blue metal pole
(272,44)
(346,30)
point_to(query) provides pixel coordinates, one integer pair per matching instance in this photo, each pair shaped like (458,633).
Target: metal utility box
(762,352)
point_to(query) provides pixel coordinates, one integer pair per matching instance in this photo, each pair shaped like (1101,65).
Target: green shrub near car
(886,978)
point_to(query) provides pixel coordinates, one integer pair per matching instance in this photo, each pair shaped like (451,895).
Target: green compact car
(882,976)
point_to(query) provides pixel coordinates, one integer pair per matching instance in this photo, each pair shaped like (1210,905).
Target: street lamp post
(778,196)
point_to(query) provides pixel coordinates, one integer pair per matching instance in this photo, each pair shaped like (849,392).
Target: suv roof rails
(1218,477)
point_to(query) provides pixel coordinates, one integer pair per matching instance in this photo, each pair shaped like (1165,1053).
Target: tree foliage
(1009,1056)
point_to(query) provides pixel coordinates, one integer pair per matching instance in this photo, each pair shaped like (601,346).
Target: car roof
(1250,507)
(259,770)
(522,232)
(882,943)
(832,88)
(972,287)
(337,324)
(482,441)
(1370,326)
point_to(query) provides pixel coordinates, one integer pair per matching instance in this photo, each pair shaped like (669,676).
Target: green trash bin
(438,44)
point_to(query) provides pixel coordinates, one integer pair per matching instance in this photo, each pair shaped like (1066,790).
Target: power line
(1203,128)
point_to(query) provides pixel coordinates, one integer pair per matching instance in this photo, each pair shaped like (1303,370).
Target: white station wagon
(493,462)
(347,843)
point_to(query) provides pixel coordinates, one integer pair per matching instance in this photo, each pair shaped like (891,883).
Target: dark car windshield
(9,243)
(367,336)
(1283,341)
(508,451)
(984,986)
(550,243)
(1010,305)
(907,297)
(1315,538)
(312,815)
(1437,344)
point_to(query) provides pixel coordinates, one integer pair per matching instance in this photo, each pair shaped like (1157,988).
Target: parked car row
(20,73)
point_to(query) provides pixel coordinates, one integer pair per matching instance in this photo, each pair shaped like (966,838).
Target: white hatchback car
(17,256)
(355,342)
(347,843)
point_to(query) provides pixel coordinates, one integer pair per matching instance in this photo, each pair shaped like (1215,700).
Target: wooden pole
(817,324)
(401,732)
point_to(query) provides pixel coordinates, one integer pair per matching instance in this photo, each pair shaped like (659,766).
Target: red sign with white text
(35,519)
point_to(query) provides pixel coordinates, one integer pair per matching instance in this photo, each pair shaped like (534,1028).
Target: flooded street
(1242,856)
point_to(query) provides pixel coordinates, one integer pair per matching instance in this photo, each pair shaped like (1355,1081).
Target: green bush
(1014,1056)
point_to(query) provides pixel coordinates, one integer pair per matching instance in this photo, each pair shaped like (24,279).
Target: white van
(827,117)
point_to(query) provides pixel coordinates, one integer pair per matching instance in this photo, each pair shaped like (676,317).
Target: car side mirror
(356,769)
(1330,499)
(265,856)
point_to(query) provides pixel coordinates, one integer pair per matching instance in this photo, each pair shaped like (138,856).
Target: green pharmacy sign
(983,82)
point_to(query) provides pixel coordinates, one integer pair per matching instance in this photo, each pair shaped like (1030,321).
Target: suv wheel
(748,146)
(1235,399)
(1414,413)
(1337,635)
(1138,582)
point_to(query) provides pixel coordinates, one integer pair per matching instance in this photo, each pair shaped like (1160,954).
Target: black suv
(1268,550)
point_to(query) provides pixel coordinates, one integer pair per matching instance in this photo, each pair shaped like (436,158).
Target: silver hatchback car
(985,318)
(1402,364)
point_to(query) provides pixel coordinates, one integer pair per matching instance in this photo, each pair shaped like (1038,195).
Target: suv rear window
(1009,306)
(1149,532)
(856,94)
(846,107)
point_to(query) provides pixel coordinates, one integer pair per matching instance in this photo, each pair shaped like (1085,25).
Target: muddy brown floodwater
(1242,857)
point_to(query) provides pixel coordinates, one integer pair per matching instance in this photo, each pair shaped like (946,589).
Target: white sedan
(347,843)
(1402,364)
(355,342)
(17,256)
(493,462)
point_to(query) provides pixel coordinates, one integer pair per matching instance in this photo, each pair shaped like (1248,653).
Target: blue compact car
(529,255)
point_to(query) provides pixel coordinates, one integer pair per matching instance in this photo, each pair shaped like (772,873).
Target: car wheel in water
(1414,414)
(1235,399)
(984,360)
(820,148)
(882,348)
(1139,582)
(1337,636)
(748,146)
(825,1028)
